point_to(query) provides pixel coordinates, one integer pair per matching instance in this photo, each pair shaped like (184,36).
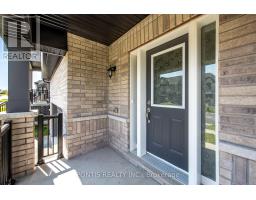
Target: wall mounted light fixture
(110,70)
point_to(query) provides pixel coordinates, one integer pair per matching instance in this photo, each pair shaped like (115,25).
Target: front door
(167,102)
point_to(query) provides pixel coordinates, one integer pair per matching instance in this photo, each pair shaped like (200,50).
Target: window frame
(182,45)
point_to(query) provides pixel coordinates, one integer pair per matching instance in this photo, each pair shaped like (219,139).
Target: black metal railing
(3,106)
(50,136)
(39,95)
(6,154)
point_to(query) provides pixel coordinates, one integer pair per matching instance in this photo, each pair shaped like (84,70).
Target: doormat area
(166,169)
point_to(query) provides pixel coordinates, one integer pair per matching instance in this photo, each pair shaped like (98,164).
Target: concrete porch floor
(100,167)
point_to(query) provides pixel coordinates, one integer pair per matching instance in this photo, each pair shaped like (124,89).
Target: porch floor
(100,167)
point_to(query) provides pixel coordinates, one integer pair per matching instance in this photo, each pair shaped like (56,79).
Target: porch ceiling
(102,28)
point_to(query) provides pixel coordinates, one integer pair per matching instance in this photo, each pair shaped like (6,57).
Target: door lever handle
(148,115)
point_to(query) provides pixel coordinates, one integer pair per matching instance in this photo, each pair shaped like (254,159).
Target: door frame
(138,127)
(179,42)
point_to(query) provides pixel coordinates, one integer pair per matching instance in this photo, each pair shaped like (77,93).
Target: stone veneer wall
(86,103)
(237,99)
(23,150)
(147,30)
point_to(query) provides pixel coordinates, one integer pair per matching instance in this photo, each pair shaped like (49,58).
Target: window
(208,84)
(168,77)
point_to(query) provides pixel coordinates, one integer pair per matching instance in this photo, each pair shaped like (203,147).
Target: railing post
(60,135)
(9,150)
(40,139)
(11,181)
(6,154)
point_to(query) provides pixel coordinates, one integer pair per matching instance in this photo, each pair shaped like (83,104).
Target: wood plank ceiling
(102,28)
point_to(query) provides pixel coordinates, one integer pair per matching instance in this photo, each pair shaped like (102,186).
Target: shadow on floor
(100,167)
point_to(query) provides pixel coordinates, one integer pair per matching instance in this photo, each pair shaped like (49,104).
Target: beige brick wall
(59,94)
(92,95)
(59,86)
(148,29)
(85,83)
(23,150)
(237,78)
(88,133)
(118,134)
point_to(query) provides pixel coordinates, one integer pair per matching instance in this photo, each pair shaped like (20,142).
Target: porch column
(18,86)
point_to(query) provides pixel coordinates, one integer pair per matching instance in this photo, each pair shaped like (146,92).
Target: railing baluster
(60,135)
(48,136)
(40,139)
(53,133)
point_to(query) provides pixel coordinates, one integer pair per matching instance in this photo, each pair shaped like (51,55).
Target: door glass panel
(168,78)
(208,77)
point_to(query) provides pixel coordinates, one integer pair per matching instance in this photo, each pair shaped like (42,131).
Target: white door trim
(194,87)
(133,103)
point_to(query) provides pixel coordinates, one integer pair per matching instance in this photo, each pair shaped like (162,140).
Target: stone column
(23,147)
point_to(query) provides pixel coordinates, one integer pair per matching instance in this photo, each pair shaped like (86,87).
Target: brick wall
(148,29)
(86,103)
(23,150)
(118,134)
(88,133)
(237,78)
(92,97)
(59,94)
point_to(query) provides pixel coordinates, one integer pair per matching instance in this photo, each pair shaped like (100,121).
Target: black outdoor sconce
(110,70)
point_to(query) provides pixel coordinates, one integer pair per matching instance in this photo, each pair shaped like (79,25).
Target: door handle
(148,115)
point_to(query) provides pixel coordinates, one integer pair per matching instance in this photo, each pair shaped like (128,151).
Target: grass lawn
(45,131)
(210,138)
(3,100)
(210,126)
(209,133)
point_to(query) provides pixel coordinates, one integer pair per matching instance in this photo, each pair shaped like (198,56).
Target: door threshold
(168,163)
(164,177)
(166,168)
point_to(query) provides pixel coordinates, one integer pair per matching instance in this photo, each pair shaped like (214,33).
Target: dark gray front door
(167,102)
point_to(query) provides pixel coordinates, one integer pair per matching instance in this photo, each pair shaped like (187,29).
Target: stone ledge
(121,119)
(78,119)
(117,118)
(238,150)
(4,116)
